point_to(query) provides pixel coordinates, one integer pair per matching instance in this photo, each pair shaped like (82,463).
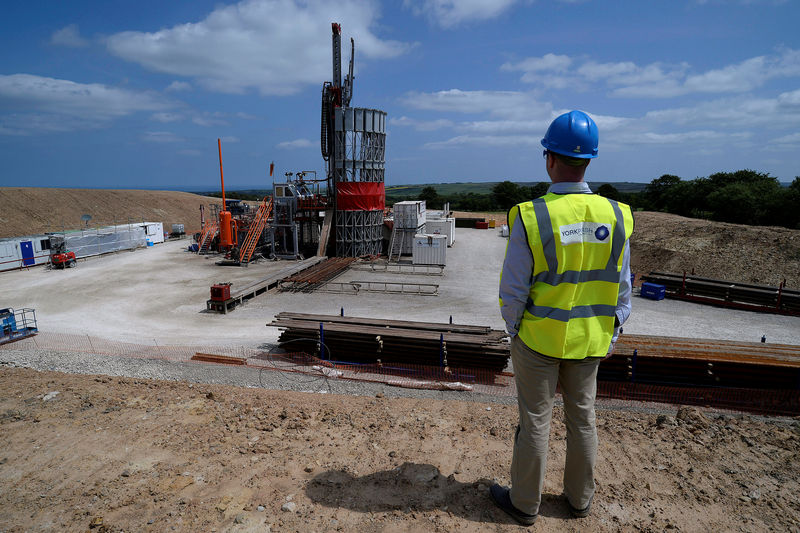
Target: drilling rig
(353,145)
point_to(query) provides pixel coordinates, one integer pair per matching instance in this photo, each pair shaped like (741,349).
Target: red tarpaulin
(360,196)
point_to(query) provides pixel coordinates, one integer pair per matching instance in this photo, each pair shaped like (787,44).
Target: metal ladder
(209,232)
(256,228)
(395,244)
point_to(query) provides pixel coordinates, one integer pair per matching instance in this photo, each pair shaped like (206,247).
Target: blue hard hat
(573,134)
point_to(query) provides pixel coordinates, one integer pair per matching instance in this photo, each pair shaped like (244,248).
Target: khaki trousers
(536,377)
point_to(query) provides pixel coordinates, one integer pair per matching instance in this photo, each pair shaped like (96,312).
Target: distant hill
(34,210)
(445,189)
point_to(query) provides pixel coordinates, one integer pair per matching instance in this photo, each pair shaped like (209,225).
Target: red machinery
(60,257)
(221,292)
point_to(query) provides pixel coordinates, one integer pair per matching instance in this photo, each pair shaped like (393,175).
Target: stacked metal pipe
(366,340)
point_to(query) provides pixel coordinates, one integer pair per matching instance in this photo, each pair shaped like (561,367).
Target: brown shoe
(502,497)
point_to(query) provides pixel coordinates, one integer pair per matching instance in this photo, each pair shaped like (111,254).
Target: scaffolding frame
(359,156)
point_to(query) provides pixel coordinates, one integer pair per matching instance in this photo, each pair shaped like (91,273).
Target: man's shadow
(413,487)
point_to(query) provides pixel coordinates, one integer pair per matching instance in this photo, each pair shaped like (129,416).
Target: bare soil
(35,210)
(662,242)
(117,454)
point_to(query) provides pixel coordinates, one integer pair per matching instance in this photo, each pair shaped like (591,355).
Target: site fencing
(295,366)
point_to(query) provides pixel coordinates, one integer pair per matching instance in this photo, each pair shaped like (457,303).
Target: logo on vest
(590,232)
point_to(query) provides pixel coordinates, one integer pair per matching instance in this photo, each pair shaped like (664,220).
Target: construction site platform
(259,287)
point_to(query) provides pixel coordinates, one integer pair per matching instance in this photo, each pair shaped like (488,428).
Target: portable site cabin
(153,232)
(18,252)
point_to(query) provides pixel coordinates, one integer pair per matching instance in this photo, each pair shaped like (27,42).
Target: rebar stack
(749,296)
(703,362)
(316,276)
(366,340)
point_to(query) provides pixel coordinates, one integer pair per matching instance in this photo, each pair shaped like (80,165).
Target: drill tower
(353,144)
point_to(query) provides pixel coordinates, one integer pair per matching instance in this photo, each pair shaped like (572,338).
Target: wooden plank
(325,233)
(221,359)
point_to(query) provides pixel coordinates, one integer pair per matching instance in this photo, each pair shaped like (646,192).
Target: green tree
(745,197)
(507,194)
(658,191)
(540,189)
(431,197)
(788,205)
(609,191)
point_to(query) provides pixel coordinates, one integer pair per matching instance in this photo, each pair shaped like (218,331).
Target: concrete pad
(158,295)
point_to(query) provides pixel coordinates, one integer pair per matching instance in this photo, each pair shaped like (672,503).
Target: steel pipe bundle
(727,293)
(365,340)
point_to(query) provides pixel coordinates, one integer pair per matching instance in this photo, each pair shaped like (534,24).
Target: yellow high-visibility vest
(577,242)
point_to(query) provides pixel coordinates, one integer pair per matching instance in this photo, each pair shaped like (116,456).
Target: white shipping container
(429,250)
(154,231)
(443,226)
(409,214)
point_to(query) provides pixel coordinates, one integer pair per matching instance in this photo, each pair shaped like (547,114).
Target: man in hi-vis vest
(564,292)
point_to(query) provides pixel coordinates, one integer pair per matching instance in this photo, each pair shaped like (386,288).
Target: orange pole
(221,176)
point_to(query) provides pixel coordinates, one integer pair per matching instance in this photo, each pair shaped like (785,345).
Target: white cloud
(297,143)
(697,136)
(487,140)
(421,125)
(210,119)
(741,77)
(786,142)
(507,104)
(546,63)
(68,36)
(450,13)
(49,104)
(789,99)
(229,139)
(745,113)
(274,46)
(166,117)
(655,80)
(519,117)
(161,137)
(488,127)
(179,86)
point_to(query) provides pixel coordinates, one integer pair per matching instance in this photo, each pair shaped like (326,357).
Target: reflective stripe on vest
(570,313)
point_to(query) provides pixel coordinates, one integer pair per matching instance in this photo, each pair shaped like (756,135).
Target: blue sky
(134,94)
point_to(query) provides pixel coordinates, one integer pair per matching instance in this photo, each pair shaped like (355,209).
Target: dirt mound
(734,252)
(122,454)
(32,210)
